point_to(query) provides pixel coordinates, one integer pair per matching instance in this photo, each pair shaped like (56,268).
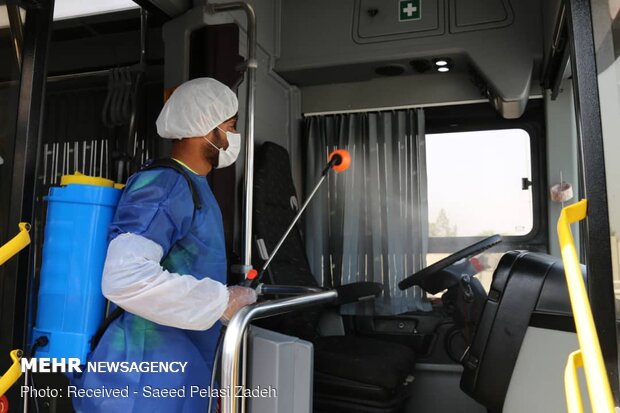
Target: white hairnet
(195,108)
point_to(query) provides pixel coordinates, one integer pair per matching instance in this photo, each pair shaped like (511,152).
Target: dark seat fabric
(366,375)
(273,190)
(335,394)
(365,360)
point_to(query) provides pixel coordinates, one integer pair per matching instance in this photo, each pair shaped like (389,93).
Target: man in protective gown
(166,263)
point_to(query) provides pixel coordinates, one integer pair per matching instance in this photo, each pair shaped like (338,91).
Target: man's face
(218,138)
(228,126)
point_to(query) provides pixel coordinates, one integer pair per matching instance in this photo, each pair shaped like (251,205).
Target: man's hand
(238,297)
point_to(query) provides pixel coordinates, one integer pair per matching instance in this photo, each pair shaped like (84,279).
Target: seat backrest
(274,200)
(525,286)
(274,209)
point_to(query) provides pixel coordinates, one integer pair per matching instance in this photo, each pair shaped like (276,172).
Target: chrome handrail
(251,65)
(233,339)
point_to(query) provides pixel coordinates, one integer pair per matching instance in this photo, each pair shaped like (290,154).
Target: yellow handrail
(571,382)
(13,373)
(589,355)
(18,243)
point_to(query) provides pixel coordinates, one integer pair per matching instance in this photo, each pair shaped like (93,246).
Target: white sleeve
(134,280)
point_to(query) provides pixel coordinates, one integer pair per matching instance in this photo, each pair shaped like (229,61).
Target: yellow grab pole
(571,382)
(591,357)
(13,373)
(18,243)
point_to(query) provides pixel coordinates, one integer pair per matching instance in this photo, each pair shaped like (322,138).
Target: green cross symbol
(409,10)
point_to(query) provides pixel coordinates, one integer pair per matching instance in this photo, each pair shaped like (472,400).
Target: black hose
(105,118)
(39,342)
(115,114)
(216,363)
(127,91)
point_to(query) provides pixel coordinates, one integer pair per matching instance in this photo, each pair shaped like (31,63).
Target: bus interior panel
(403,168)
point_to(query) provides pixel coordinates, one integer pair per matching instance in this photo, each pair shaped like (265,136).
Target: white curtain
(370,222)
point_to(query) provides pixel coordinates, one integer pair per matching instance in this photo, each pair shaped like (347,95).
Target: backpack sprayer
(70,303)
(79,215)
(71,306)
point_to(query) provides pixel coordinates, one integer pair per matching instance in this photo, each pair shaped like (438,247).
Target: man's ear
(211,135)
(217,134)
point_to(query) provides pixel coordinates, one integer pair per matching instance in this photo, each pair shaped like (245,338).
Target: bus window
(478,183)
(485,175)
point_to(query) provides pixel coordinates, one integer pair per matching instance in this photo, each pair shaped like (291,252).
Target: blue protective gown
(157,204)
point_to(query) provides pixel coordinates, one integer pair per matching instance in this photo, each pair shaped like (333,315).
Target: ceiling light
(441,62)
(443,69)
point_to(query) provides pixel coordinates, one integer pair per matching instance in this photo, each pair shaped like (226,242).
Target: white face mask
(228,156)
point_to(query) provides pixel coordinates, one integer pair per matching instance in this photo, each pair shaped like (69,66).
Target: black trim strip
(553,322)
(592,163)
(19,272)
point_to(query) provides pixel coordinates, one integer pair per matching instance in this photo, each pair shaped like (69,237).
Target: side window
(484,178)
(478,183)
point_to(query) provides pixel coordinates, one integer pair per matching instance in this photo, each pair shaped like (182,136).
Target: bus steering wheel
(427,273)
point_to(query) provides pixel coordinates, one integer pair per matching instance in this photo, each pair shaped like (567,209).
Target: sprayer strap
(118,311)
(172,164)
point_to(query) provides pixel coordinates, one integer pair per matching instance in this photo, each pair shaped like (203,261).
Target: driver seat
(351,373)
(528,288)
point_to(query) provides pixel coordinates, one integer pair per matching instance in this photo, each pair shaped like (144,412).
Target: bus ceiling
(492,44)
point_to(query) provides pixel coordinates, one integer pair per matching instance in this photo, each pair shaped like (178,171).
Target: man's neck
(192,159)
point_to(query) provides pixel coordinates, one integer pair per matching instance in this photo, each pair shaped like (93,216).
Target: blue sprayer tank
(71,306)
